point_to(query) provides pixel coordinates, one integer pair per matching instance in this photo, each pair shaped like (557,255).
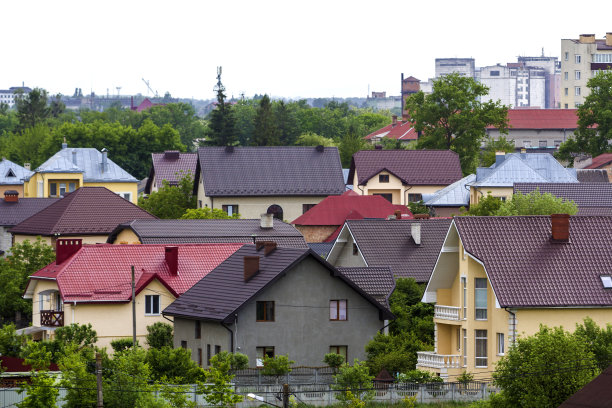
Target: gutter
(513,325)
(231,337)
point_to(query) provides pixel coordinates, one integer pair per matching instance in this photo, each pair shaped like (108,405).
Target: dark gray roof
(592,195)
(220,294)
(211,231)
(378,281)
(592,176)
(321,248)
(389,243)
(14,213)
(270,171)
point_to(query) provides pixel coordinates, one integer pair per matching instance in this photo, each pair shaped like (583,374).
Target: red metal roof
(402,130)
(542,119)
(600,160)
(102,273)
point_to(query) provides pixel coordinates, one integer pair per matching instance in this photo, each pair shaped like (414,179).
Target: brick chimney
(172,259)
(421,216)
(11,196)
(587,38)
(560,224)
(251,267)
(394,120)
(65,248)
(398,215)
(609,39)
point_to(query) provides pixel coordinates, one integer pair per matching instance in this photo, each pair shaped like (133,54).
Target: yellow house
(403,176)
(497,278)
(92,284)
(71,168)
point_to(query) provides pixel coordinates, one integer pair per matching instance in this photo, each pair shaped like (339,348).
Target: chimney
(587,38)
(267,221)
(104,160)
(320,148)
(415,232)
(172,155)
(11,196)
(398,215)
(499,158)
(64,145)
(560,227)
(172,259)
(27,166)
(609,39)
(65,248)
(74,158)
(269,247)
(229,149)
(251,267)
(394,120)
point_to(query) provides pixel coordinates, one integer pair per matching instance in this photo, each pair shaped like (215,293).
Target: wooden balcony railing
(52,318)
(446,312)
(433,360)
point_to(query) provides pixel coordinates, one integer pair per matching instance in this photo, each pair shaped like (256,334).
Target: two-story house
(266,301)
(497,278)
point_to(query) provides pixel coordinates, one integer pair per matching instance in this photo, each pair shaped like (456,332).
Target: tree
(222,122)
(452,117)
(218,390)
(173,365)
(312,139)
(333,360)
(598,340)
(286,123)
(80,335)
(56,106)
(181,117)
(354,382)
(235,361)
(487,156)
(488,205)
(594,131)
(159,335)
(535,203)
(352,142)
(41,391)
(171,202)
(207,213)
(543,370)
(32,108)
(277,366)
(10,341)
(265,132)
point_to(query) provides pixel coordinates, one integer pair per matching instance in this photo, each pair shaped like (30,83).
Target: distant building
(8,96)
(410,86)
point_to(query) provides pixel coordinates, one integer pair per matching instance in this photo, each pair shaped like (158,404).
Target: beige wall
(87,239)
(476,193)
(395,187)
(570,66)
(127,236)
(343,255)
(15,187)
(316,233)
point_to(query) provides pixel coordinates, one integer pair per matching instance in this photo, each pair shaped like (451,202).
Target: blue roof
(454,195)
(12,174)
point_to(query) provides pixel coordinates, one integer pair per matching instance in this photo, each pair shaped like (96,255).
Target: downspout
(360,189)
(231,337)
(513,325)
(73,307)
(406,197)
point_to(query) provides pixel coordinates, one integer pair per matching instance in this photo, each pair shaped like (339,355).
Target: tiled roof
(223,291)
(12,174)
(154,231)
(601,160)
(596,393)
(454,195)
(527,269)
(583,194)
(524,168)
(402,130)
(334,210)
(87,210)
(321,248)
(171,166)
(270,171)
(88,162)
(12,213)
(103,272)
(592,176)
(389,243)
(378,282)
(542,119)
(413,167)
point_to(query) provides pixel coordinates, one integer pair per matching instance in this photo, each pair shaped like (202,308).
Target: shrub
(119,345)
(159,335)
(333,360)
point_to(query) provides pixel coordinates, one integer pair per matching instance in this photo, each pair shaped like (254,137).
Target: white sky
(284,48)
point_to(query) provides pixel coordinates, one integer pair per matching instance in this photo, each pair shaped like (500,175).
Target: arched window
(276,211)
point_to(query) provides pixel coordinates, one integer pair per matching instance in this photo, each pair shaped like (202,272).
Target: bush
(235,361)
(159,335)
(354,383)
(333,360)
(419,377)
(277,365)
(120,345)
(465,377)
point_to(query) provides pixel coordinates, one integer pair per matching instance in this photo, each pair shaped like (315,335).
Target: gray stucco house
(265,300)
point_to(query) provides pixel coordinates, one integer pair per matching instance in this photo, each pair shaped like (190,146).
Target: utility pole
(133,309)
(285,395)
(99,380)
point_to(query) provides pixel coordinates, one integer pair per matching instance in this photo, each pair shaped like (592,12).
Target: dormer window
(383,178)
(606,280)
(10,173)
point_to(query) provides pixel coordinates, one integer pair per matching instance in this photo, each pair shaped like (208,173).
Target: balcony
(52,318)
(433,360)
(447,312)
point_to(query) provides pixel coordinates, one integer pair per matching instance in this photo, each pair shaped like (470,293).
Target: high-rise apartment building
(581,60)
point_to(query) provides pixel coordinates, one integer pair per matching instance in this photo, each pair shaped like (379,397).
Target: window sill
(152,314)
(501,354)
(479,366)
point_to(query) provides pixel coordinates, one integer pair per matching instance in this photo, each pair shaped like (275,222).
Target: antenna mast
(219,86)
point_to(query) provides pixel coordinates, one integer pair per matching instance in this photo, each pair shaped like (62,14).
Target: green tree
(286,123)
(418,207)
(265,132)
(80,335)
(159,335)
(277,366)
(78,379)
(567,151)
(354,382)
(41,391)
(312,139)
(218,390)
(235,361)
(594,131)
(333,360)
(171,202)
(487,156)
(129,379)
(32,108)
(10,341)
(598,340)
(182,118)
(488,205)
(173,365)
(27,146)
(535,203)
(543,370)
(207,213)
(222,122)
(123,344)
(244,113)
(352,142)
(452,117)
(56,106)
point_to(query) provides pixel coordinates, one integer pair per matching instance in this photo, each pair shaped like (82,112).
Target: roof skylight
(607,281)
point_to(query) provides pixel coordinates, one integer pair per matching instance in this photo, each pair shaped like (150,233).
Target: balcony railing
(447,312)
(433,360)
(51,318)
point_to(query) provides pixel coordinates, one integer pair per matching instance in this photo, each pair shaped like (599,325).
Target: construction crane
(150,89)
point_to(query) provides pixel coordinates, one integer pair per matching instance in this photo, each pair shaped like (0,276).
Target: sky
(292,49)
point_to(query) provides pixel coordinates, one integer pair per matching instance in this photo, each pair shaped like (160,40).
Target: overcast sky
(284,48)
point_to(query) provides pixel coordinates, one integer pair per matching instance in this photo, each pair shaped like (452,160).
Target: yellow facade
(14,187)
(477,193)
(127,236)
(400,193)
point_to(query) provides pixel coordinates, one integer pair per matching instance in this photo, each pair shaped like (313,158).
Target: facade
(602,162)
(171,166)
(72,168)
(410,86)
(12,176)
(8,96)
(498,278)
(581,60)
(281,180)
(267,301)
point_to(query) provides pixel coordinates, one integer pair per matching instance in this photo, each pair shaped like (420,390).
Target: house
(449,200)
(401,130)
(285,181)
(266,300)
(323,222)
(591,198)
(597,393)
(403,176)
(501,277)
(171,166)
(153,231)
(93,284)
(89,213)
(603,161)
(14,210)
(409,247)
(71,168)
(498,180)
(12,176)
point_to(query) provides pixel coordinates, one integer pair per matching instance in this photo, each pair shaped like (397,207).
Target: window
(355,249)
(217,350)
(557,143)
(481,348)
(577,75)
(208,354)
(542,143)
(71,187)
(578,59)
(566,56)
(606,280)
(526,144)
(388,197)
(566,75)
(198,330)
(276,211)
(342,350)
(184,344)
(306,207)
(577,90)
(415,198)
(337,309)
(383,178)
(464,347)
(52,190)
(500,344)
(152,304)
(458,338)
(200,357)
(62,189)
(464,285)
(577,105)
(41,301)
(494,73)
(262,352)
(566,91)
(230,209)
(265,311)
(480,298)
(566,106)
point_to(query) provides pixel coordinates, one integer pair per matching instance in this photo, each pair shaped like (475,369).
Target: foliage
(286,122)
(218,390)
(395,353)
(32,108)
(598,340)
(171,202)
(10,341)
(465,377)
(452,117)
(567,151)
(181,117)
(78,378)
(419,377)
(333,360)
(594,132)
(278,365)
(129,378)
(535,203)
(353,382)
(206,213)
(352,142)
(173,364)
(235,361)
(222,126)
(487,156)
(418,207)
(488,205)
(80,335)
(265,132)
(124,344)
(41,393)
(312,139)
(159,335)
(543,370)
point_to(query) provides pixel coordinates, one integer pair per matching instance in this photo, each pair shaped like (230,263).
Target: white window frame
(149,305)
(500,344)
(566,76)
(486,305)
(465,347)
(578,59)
(478,340)
(464,286)
(577,91)
(566,56)
(577,75)
(122,194)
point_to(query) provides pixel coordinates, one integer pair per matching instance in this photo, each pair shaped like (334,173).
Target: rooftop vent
(74,156)
(104,160)
(172,155)
(27,166)
(65,248)
(499,158)
(251,267)
(11,196)
(560,224)
(267,221)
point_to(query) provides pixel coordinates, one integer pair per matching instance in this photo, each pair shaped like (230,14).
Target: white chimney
(267,221)
(415,231)
(74,156)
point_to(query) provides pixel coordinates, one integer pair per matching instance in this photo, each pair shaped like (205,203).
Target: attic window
(383,178)
(607,281)
(10,173)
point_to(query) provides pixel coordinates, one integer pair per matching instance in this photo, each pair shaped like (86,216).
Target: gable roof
(378,281)
(88,162)
(582,194)
(413,167)
(102,272)
(154,231)
(270,171)
(597,393)
(599,161)
(170,166)
(87,210)
(12,174)
(334,210)
(454,195)
(12,213)
(527,269)
(524,168)
(402,130)
(592,176)
(541,119)
(223,291)
(389,243)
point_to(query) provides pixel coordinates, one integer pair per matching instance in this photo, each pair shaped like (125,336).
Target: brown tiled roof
(389,243)
(592,176)
(601,160)
(170,166)
(12,213)
(582,194)
(413,167)
(270,171)
(597,393)
(527,269)
(88,210)
(223,291)
(378,281)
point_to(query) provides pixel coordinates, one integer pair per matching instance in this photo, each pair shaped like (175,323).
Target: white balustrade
(447,312)
(433,360)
